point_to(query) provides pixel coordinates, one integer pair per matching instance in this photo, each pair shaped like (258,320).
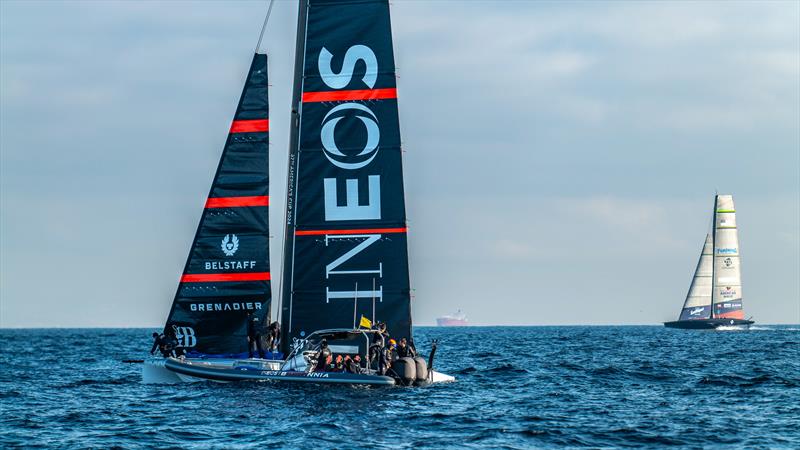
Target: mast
(714,252)
(291,177)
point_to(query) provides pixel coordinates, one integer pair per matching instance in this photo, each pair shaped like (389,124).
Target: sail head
(226,280)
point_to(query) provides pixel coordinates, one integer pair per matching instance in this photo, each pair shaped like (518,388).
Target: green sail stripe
(726,210)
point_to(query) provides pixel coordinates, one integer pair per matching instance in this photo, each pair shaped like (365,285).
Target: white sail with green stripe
(727,286)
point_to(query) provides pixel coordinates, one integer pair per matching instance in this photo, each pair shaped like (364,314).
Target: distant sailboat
(715,295)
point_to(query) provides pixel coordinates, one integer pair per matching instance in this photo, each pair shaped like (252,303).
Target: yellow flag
(365,323)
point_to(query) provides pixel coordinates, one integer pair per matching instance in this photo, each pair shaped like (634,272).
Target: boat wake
(733,328)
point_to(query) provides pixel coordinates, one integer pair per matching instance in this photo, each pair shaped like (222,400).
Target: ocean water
(518,387)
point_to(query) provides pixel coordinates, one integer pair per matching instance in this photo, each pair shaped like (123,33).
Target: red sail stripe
(219,277)
(364,94)
(250,126)
(233,202)
(362,231)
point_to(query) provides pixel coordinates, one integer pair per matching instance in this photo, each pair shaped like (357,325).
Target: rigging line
(264,27)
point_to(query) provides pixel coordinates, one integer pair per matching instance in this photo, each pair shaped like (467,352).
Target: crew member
(338,365)
(388,355)
(323,357)
(254,335)
(404,350)
(274,336)
(350,365)
(159,340)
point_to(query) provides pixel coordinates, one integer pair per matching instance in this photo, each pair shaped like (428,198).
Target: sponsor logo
(728,262)
(229,245)
(226,306)
(696,311)
(283,373)
(332,152)
(360,202)
(727,251)
(229,265)
(727,292)
(185,336)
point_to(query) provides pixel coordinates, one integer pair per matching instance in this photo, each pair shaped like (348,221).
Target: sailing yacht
(715,295)
(345,252)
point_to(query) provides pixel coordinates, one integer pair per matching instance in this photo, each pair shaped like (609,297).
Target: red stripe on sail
(361,231)
(250,126)
(233,202)
(221,277)
(364,94)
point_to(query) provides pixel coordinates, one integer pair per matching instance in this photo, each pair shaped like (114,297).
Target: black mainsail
(345,250)
(227,276)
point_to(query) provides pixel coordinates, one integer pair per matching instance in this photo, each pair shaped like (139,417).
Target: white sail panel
(698,299)
(727,287)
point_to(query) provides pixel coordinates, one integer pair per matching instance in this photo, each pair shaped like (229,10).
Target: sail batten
(346,224)
(227,276)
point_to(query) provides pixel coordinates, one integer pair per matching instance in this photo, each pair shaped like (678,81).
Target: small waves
(540,387)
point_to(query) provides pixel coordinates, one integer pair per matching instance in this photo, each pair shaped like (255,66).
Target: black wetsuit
(158,344)
(274,333)
(407,351)
(254,334)
(350,366)
(322,360)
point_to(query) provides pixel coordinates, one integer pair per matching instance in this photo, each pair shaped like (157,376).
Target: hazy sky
(561,158)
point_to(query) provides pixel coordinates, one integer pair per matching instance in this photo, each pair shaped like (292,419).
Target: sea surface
(517,387)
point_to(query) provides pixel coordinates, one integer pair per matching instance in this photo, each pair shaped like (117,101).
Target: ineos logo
(332,152)
(340,80)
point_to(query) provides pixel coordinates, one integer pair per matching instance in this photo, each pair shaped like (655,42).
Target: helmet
(392,342)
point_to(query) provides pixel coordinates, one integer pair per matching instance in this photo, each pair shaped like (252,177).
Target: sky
(561,158)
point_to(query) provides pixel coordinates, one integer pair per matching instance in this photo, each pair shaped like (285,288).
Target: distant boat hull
(450,322)
(707,324)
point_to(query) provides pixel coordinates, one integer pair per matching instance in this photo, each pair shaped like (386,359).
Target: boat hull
(448,322)
(707,324)
(213,372)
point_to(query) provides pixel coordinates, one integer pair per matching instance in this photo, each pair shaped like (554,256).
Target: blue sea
(518,387)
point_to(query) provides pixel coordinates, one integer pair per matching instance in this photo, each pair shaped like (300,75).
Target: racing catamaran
(345,252)
(715,295)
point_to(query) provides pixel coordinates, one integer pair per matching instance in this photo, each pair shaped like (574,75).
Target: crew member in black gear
(388,355)
(350,366)
(159,341)
(254,335)
(404,350)
(323,357)
(274,336)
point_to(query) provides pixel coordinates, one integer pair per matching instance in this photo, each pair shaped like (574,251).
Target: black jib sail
(227,277)
(346,227)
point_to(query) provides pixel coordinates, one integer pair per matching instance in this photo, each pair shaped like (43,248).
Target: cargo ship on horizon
(453,320)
